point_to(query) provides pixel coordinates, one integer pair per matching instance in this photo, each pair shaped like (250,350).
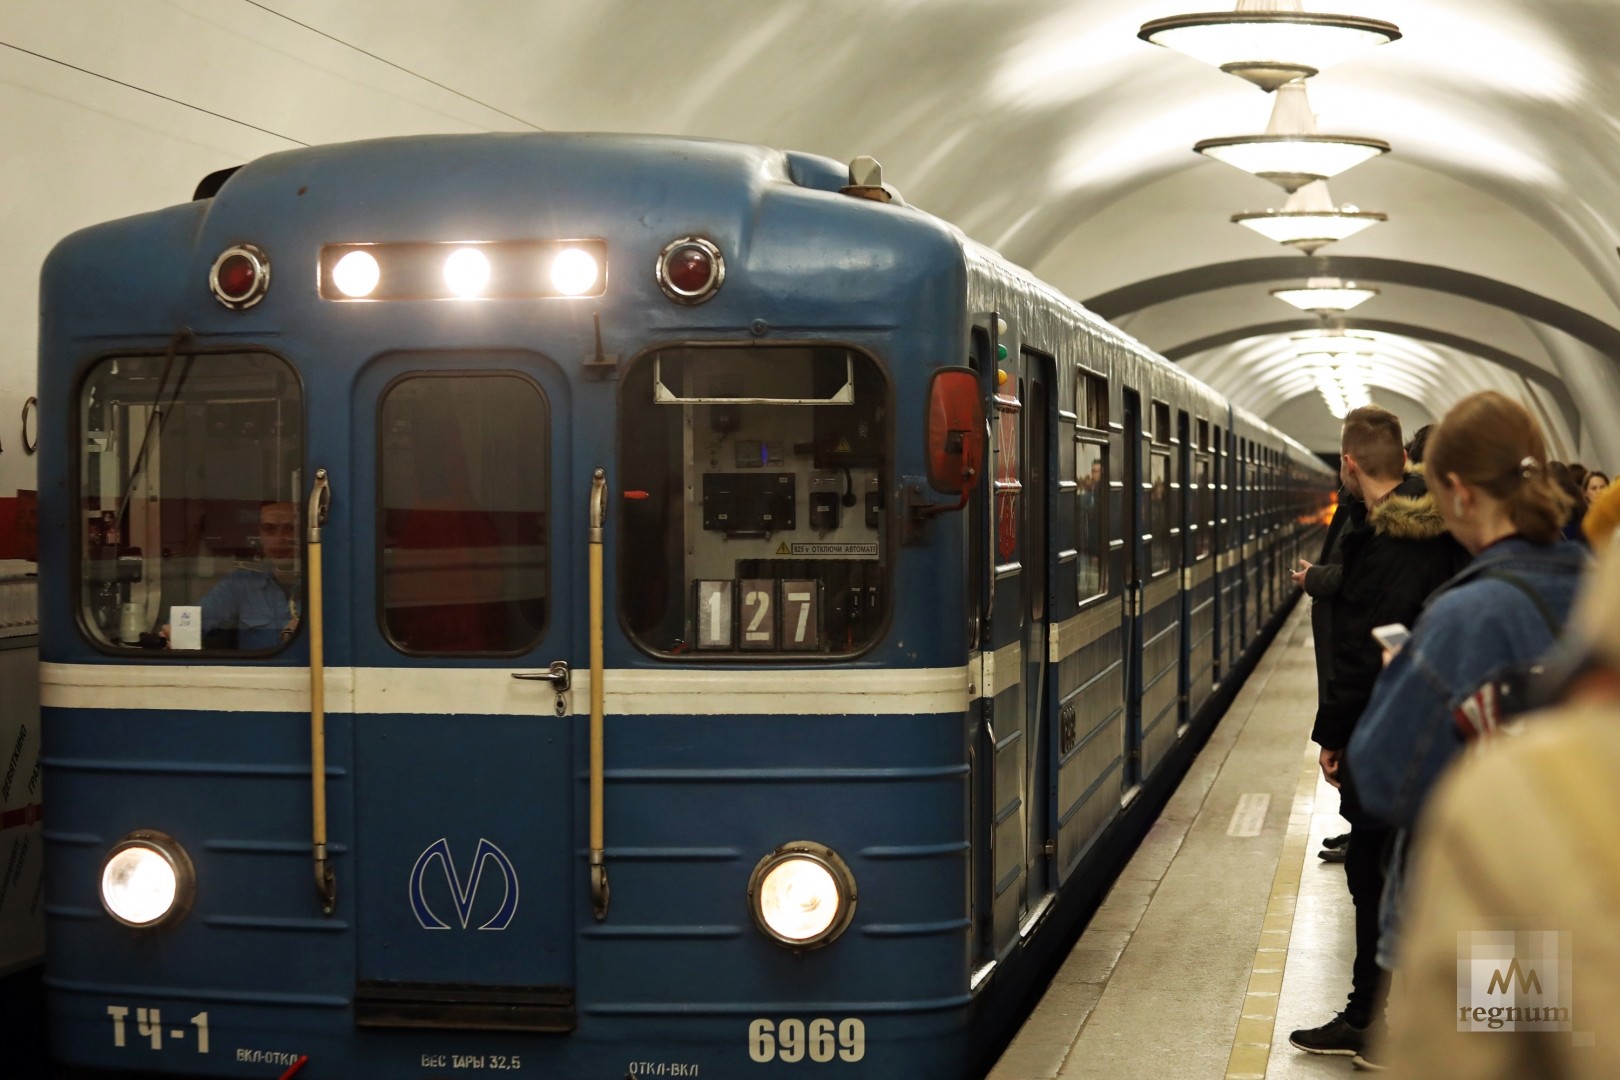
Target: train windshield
(754,520)
(190,519)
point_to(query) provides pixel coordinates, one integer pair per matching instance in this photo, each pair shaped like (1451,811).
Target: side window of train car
(1253,499)
(1091,474)
(1160,502)
(1204,499)
(752,516)
(463,490)
(190,479)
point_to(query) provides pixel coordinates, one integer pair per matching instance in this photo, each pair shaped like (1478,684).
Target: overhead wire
(396,67)
(152,93)
(255,127)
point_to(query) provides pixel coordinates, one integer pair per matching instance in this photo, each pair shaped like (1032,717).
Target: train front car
(363,422)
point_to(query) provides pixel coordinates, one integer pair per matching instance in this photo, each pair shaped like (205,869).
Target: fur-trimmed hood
(1408,513)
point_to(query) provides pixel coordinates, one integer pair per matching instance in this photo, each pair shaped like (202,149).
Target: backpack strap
(1553,624)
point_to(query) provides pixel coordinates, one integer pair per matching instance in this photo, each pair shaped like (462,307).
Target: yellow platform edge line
(1257,1026)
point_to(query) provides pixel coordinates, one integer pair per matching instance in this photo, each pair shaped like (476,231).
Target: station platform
(1225,932)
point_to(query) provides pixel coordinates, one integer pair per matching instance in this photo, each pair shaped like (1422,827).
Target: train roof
(495,185)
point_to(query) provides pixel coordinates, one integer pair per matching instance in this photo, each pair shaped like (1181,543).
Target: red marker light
(240,276)
(638,495)
(690,270)
(237,275)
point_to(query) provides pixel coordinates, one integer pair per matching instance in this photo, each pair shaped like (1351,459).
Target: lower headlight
(147,879)
(802,894)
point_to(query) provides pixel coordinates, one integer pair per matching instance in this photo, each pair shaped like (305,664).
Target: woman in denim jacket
(1485,465)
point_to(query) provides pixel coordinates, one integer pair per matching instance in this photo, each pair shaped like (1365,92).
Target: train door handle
(558,676)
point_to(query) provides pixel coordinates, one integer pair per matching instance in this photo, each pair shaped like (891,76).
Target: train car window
(1091,475)
(1008,486)
(1161,508)
(1204,501)
(751,501)
(1091,401)
(464,485)
(190,477)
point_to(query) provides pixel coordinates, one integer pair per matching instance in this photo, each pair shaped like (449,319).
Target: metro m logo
(1527,979)
(463,897)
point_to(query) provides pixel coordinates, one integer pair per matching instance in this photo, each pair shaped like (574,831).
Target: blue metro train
(605,606)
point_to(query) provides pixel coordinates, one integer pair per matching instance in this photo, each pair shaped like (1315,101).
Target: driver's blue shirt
(251,602)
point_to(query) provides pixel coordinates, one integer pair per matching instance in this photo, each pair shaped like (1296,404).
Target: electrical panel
(748,504)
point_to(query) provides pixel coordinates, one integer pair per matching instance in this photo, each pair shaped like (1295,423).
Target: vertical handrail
(600,891)
(320,499)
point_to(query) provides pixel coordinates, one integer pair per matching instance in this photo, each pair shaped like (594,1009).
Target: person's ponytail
(1493,443)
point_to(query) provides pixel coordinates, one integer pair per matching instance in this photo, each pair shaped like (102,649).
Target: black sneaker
(1337,841)
(1337,1036)
(1331,854)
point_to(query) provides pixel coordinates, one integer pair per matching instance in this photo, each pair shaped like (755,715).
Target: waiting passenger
(1593,485)
(1520,837)
(255,607)
(1417,444)
(1486,472)
(1602,517)
(1565,479)
(1392,563)
(1321,581)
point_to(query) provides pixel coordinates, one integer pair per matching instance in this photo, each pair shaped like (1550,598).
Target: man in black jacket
(1392,560)
(1321,581)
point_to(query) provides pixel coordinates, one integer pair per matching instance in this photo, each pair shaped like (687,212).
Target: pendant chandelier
(1326,296)
(1291,153)
(1309,220)
(1341,382)
(1269,42)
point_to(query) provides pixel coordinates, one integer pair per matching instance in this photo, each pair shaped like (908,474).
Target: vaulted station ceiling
(1043,128)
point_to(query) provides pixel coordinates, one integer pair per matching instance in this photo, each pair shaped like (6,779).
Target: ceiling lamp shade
(1326,296)
(1309,220)
(1291,154)
(1269,42)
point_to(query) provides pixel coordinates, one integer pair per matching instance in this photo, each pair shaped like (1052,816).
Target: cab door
(465,827)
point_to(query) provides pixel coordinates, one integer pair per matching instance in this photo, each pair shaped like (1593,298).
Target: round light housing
(1292,161)
(802,895)
(147,879)
(356,274)
(1309,230)
(1269,48)
(574,272)
(690,270)
(240,276)
(1326,296)
(466,271)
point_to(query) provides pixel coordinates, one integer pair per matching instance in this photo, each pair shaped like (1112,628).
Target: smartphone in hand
(1391,636)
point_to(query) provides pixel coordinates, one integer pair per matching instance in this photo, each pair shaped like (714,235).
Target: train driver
(255,607)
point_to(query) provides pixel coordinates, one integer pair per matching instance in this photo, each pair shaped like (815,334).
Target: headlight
(466,271)
(146,879)
(356,274)
(802,895)
(574,272)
